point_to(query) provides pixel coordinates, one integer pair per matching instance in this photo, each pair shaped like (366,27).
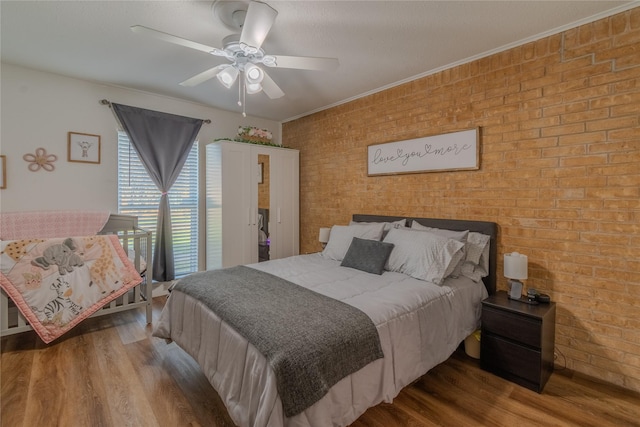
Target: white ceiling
(378,43)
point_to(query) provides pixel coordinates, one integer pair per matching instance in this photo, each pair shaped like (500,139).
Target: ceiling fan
(244,51)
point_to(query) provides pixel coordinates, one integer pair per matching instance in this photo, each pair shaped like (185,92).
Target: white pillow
(476,263)
(341,236)
(460,236)
(423,255)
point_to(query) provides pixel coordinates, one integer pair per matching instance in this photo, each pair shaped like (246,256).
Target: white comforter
(420,325)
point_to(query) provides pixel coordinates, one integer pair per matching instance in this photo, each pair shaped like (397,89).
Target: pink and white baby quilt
(56,283)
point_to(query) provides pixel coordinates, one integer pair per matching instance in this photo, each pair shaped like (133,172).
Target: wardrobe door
(229,214)
(285,194)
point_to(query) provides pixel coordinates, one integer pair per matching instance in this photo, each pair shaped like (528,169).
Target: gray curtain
(163,142)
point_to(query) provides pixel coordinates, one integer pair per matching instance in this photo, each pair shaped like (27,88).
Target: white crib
(137,245)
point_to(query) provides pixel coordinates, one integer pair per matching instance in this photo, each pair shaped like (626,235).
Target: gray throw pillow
(367,255)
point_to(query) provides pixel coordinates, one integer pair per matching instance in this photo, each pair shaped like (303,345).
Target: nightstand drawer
(505,357)
(512,325)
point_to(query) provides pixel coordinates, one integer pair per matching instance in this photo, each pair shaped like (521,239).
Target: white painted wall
(37,109)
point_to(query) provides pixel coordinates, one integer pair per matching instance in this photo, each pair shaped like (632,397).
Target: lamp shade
(515,266)
(228,76)
(253,74)
(253,88)
(323,237)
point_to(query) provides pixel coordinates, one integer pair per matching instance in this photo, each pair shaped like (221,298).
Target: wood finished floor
(109,371)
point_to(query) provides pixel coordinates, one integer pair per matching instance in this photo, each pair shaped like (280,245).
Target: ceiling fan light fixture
(228,76)
(253,88)
(253,74)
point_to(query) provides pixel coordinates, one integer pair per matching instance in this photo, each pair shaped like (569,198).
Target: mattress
(420,325)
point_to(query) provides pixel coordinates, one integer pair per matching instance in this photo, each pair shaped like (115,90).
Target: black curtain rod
(107,102)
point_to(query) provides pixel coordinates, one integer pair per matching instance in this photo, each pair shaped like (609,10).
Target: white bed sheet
(420,325)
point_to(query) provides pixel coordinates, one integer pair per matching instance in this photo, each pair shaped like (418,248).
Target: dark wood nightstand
(517,341)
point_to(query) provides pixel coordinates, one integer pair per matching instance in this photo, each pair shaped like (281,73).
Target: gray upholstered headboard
(484,227)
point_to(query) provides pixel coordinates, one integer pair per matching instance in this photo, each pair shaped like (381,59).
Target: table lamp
(323,236)
(515,268)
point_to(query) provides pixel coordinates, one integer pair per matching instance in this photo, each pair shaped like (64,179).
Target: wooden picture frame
(83,148)
(454,151)
(3,172)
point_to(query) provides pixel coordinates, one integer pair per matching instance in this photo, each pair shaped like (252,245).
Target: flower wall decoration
(40,160)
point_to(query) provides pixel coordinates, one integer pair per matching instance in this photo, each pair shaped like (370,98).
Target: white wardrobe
(252,203)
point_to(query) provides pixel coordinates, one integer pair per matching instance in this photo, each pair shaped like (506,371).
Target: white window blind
(138,195)
(213,203)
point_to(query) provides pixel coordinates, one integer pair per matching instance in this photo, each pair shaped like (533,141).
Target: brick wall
(559,173)
(264,197)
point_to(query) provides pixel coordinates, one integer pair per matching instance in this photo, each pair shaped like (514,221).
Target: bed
(136,245)
(419,325)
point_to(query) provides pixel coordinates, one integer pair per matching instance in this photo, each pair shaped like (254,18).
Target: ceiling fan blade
(306,62)
(171,38)
(260,17)
(204,76)
(271,88)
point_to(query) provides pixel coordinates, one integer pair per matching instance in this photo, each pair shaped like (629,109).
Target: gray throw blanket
(310,340)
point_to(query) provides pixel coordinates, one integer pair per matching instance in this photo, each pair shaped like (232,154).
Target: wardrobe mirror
(264,203)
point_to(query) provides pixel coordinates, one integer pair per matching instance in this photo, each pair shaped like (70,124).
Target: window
(138,195)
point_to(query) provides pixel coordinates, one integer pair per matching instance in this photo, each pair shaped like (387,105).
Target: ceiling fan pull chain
(244,95)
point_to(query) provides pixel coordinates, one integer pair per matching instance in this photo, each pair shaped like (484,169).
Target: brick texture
(559,172)
(264,200)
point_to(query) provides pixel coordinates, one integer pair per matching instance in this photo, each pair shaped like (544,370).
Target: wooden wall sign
(446,152)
